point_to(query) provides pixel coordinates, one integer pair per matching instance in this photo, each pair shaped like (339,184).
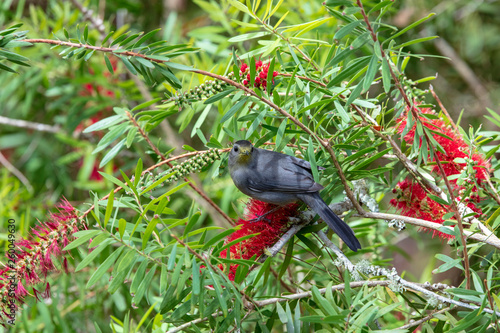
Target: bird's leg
(263,216)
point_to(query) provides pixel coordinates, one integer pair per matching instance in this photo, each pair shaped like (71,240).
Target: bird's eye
(251,150)
(236,148)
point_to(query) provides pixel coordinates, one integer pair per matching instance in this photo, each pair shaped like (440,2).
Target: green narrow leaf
(122,224)
(119,38)
(126,260)
(411,26)
(104,123)
(386,75)
(144,38)
(354,67)
(108,36)
(128,64)
(8,69)
(288,258)
(138,172)
(220,236)
(86,33)
(252,72)
(235,108)
(218,96)
(112,153)
(279,136)
(341,112)
(355,93)
(103,268)
(370,73)
(171,258)
(178,268)
(248,36)
(149,230)
(109,207)
(438,199)
(196,277)
(114,181)
(255,124)
(177,66)
(145,284)
(156,183)
(145,62)
(91,256)
(346,29)
(12,56)
(108,64)
(83,236)
(270,77)
(218,290)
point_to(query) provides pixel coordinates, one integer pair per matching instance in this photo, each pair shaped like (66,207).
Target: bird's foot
(263,216)
(260,219)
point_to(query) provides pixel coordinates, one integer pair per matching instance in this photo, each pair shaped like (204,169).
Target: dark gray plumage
(282,179)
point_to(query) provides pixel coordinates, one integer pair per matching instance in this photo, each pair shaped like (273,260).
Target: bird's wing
(303,164)
(284,175)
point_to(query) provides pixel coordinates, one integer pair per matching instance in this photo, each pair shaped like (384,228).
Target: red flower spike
(412,199)
(35,257)
(268,232)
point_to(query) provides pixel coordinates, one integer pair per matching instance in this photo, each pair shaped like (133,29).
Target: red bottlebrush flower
(454,146)
(261,71)
(35,257)
(412,199)
(274,225)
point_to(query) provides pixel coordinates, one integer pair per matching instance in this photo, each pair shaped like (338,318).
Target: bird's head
(241,153)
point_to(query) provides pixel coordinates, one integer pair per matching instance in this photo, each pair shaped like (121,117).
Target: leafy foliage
(327,83)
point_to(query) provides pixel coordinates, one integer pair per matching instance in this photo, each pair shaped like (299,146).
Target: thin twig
(495,194)
(283,284)
(194,322)
(340,255)
(145,136)
(355,284)
(441,106)
(490,300)
(9,166)
(30,125)
(432,225)
(423,320)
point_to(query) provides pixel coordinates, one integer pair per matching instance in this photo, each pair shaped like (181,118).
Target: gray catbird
(282,179)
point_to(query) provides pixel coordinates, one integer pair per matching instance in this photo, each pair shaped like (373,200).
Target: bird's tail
(335,223)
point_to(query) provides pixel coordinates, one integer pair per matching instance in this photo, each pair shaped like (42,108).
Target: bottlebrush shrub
(269,230)
(35,257)
(412,199)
